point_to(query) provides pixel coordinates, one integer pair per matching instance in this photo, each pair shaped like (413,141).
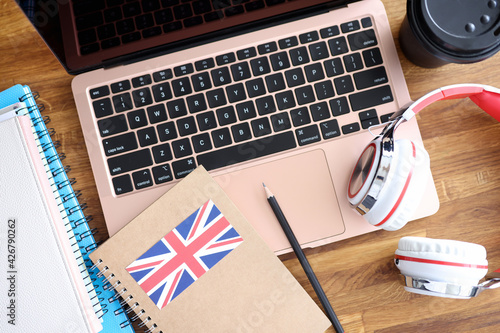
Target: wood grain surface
(358,274)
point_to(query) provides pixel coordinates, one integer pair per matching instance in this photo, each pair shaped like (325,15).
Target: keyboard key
(196,103)
(285,100)
(318,51)
(142,97)
(267,48)
(247,53)
(265,105)
(162,92)
(201,142)
(225,59)
(281,121)
(122,184)
(131,161)
(183,69)
(330,129)
(324,90)
(295,77)
(299,56)
(162,75)
(352,62)
(162,153)
(288,42)
(157,113)
(216,98)
(221,76)
(120,86)
(221,137)
(319,111)
(167,131)
(122,102)
(119,144)
(241,132)
(300,116)
(350,128)
(226,115)
(99,92)
(369,122)
(366,22)
(329,32)
(260,66)
(370,98)
(370,78)
(304,95)
(201,81)
(309,37)
(344,85)
(204,64)
(142,179)
(333,67)
(275,82)
(368,114)
(236,93)
(314,72)
(181,86)
(162,174)
(350,26)
(307,135)
(372,57)
(147,136)
(247,151)
(186,126)
(280,61)
(255,87)
(112,125)
(176,108)
(339,106)
(102,108)
(338,46)
(184,167)
(206,121)
(240,71)
(141,81)
(182,148)
(246,110)
(261,127)
(137,118)
(362,40)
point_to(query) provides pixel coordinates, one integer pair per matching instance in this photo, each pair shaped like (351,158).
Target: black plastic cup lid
(464,29)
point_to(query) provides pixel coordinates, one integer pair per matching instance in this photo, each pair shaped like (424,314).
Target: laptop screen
(90,34)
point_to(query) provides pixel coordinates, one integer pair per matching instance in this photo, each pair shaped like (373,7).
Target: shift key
(131,161)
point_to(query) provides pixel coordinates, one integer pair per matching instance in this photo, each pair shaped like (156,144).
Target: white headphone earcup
(404,188)
(441,260)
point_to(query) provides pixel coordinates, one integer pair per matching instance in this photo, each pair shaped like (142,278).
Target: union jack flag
(184,254)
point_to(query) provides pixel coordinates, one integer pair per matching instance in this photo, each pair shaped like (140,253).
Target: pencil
(303,260)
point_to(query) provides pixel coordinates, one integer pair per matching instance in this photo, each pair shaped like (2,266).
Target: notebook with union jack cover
(192,263)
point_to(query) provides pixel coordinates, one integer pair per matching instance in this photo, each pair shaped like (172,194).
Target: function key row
(357,41)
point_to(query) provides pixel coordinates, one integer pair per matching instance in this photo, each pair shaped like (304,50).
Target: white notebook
(41,285)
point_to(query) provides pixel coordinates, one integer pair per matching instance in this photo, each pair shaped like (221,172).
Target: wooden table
(358,274)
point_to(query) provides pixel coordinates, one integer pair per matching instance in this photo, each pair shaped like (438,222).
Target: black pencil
(303,261)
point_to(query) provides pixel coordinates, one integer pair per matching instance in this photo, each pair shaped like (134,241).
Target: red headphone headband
(486,97)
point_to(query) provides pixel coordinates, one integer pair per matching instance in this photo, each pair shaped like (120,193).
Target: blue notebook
(104,299)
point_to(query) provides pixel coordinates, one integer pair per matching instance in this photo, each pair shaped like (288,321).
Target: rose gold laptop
(280,92)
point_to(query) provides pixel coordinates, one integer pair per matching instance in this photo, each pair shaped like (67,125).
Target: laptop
(258,91)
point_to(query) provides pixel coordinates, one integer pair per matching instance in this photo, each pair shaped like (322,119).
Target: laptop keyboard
(105,24)
(238,106)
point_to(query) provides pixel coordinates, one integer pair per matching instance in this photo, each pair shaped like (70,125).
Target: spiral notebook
(104,300)
(191,262)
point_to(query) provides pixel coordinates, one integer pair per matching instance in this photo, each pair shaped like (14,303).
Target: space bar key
(247,151)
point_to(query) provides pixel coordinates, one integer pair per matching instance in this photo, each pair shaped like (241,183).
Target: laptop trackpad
(303,187)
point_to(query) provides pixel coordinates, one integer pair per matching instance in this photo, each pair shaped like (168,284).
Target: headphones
(387,185)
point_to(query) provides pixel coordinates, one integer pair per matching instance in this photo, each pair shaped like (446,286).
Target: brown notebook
(192,263)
